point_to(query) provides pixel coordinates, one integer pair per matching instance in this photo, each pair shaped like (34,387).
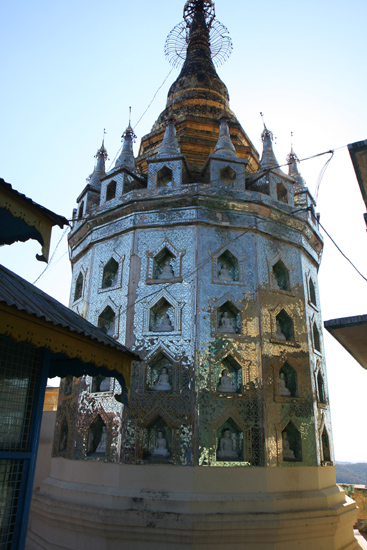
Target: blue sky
(71,68)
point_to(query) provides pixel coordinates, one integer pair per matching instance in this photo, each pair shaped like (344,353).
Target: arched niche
(227,267)
(326,455)
(155,368)
(164,177)
(284,327)
(228,176)
(106,321)
(230,442)
(282,193)
(95,434)
(320,388)
(63,438)
(111,191)
(281,276)
(110,271)
(161,317)
(100,384)
(81,211)
(78,292)
(153,450)
(228,319)
(316,338)
(68,385)
(312,292)
(287,382)
(234,371)
(291,444)
(164,265)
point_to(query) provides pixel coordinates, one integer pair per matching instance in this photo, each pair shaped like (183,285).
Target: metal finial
(177,41)
(262,118)
(104,133)
(129,116)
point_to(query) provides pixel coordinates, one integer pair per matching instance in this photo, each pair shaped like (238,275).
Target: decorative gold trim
(40,333)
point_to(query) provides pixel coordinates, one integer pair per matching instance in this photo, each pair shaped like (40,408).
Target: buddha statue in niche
(101,448)
(279,333)
(226,451)
(162,383)
(283,391)
(225,324)
(288,454)
(224,274)
(225,385)
(105,385)
(165,325)
(160,449)
(167,272)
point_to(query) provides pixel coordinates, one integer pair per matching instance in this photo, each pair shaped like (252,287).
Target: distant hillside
(354,474)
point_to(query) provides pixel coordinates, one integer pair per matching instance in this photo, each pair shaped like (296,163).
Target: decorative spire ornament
(126,158)
(100,165)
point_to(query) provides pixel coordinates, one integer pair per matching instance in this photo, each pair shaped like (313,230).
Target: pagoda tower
(202,259)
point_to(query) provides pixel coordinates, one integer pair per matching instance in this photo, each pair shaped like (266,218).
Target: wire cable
(155,95)
(321,175)
(341,252)
(53,254)
(142,116)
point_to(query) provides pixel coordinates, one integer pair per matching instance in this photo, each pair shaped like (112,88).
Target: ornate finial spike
(262,118)
(129,116)
(104,133)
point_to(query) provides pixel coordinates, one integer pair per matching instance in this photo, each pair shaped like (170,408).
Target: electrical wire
(342,253)
(142,116)
(53,255)
(321,175)
(262,172)
(155,95)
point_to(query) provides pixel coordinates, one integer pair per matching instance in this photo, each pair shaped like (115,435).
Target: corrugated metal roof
(54,218)
(346,322)
(19,293)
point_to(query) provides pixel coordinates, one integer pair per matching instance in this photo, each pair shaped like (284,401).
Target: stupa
(203,259)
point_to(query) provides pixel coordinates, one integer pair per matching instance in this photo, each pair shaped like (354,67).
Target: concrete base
(99,506)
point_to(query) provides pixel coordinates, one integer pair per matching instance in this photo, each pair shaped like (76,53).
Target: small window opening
(164,265)
(312,293)
(110,273)
(162,317)
(230,446)
(228,319)
(159,374)
(320,387)
(158,441)
(106,321)
(230,380)
(282,193)
(78,287)
(316,338)
(164,177)
(281,276)
(95,436)
(63,441)
(292,443)
(227,267)
(284,327)
(287,382)
(325,446)
(81,211)
(68,385)
(100,383)
(228,176)
(111,191)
